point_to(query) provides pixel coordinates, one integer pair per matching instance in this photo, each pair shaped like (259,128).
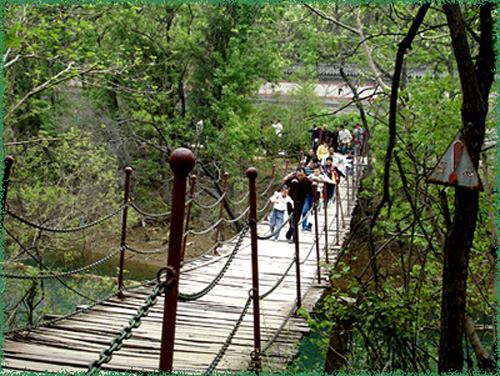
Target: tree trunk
(476,82)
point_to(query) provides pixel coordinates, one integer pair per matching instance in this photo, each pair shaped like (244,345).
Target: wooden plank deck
(202,325)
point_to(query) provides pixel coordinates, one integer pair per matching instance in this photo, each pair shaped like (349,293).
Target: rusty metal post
(254,292)
(325,195)
(337,204)
(273,171)
(221,211)
(188,216)
(128,172)
(315,206)
(301,155)
(286,167)
(341,209)
(181,162)
(354,178)
(296,217)
(347,189)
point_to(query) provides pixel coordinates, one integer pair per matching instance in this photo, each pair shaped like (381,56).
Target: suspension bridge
(230,310)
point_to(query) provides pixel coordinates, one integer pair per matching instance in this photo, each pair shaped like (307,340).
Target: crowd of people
(329,158)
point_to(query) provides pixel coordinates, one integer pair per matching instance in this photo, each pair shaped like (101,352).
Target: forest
(90,88)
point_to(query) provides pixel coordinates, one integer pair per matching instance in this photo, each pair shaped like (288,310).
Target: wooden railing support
(181,162)
(128,172)
(254,292)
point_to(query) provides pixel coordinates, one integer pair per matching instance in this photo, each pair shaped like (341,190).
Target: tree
(476,79)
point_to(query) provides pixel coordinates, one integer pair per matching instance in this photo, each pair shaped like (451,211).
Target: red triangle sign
(455,168)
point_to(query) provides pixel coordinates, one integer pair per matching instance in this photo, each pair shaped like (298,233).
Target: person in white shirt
(319,177)
(280,200)
(344,139)
(279,128)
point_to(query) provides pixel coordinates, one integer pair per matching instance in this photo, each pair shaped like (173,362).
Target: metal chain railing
(278,282)
(268,187)
(211,206)
(239,202)
(207,289)
(71,314)
(65,230)
(66,274)
(25,250)
(209,251)
(149,215)
(237,218)
(134,322)
(269,236)
(229,338)
(263,209)
(140,252)
(206,231)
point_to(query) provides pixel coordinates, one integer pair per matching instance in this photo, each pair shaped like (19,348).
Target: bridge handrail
(71,314)
(142,252)
(211,206)
(126,332)
(65,274)
(25,250)
(69,229)
(149,215)
(239,202)
(218,277)
(229,338)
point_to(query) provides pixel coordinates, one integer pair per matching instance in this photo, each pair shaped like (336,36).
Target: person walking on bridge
(281,200)
(304,197)
(345,139)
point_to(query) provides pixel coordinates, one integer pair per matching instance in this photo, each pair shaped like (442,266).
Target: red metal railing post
(315,206)
(221,211)
(181,162)
(252,175)
(347,188)
(273,171)
(301,155)
(286,167)
(325,201)
(188,216)
(337,215)
(296,217)
(341,209)
(128,172)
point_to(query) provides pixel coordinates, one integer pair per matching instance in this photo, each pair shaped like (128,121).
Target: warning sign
(455,168)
